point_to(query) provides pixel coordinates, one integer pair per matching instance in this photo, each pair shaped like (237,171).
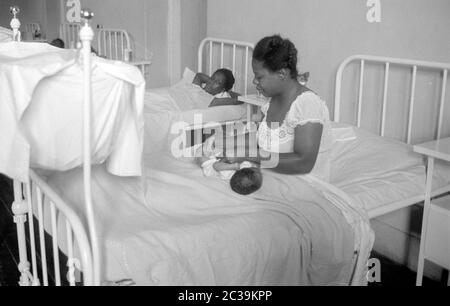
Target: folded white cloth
(42,105)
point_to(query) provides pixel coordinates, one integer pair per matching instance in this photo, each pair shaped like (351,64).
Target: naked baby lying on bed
(245,178)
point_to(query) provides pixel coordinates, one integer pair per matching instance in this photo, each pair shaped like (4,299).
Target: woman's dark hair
(277,53)
(229,78)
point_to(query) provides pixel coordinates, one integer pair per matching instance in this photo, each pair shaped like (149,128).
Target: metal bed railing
(116,44)
(234,47)
(68,32)
(388,62)
(35,198)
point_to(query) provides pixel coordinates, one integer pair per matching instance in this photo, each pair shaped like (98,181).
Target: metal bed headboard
(114,44)
(68,32)
(234,47)
(32,27)
(388,62)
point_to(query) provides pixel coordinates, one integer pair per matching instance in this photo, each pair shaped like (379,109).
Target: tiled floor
(392,274)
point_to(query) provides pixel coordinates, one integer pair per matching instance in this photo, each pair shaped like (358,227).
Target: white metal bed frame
(68,32)
(388,62)
(116,44)
(32,27)
(88,245)
(37,193)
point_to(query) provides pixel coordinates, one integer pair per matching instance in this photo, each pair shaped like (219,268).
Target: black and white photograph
(224,149)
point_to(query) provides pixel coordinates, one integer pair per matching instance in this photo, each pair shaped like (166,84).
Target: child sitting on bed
(245,178)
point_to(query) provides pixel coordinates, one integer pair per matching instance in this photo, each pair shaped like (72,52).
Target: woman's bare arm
(301,161)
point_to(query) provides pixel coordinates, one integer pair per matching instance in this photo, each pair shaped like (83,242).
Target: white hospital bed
(398,174)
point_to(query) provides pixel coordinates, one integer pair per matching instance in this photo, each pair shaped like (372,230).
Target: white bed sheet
(378,171)
(178,227)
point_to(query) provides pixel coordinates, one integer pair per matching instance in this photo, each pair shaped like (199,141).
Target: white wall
(193,30)
(327,31)
(146,21)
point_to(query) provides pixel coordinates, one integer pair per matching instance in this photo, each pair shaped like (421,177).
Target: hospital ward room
(192,143)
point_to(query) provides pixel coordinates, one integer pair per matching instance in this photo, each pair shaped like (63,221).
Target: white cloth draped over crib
(41,108)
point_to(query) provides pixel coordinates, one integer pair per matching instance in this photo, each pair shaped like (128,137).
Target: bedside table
(253,100)
(435,237)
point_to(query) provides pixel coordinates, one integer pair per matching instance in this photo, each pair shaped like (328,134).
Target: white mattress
(379,172)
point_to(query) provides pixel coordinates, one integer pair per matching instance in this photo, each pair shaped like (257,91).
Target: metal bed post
(86,37)
(19,206)
(15,23)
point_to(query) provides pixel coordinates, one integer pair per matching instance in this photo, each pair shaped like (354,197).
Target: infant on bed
(245,178)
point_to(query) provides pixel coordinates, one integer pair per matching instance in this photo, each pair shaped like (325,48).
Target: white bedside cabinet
(435,237)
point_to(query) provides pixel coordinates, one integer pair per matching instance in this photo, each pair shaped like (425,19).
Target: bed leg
(20,209)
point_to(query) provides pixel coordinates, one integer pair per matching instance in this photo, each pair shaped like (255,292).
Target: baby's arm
(221,166)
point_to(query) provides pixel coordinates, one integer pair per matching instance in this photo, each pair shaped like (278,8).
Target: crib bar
(411,104)
(221,54)
(110,45)
(32,234)
(70,260)
(441,106)
(385,90)
(246,72)
(104,44)
(122,56)
(116,45)
(19,209)
(75,222)
(360,93)
(42,236)
(55,244)
(210,56)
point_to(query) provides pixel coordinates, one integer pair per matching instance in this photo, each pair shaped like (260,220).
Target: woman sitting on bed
(218,85)
(296,126)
